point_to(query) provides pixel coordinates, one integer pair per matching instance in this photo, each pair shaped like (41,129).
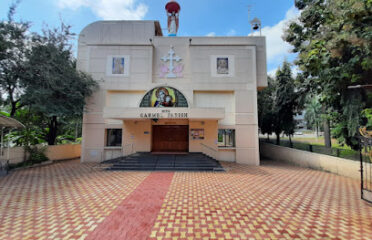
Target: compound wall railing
(366,166)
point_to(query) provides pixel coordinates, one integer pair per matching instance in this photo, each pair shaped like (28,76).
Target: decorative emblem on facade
(174,70)
(164,97)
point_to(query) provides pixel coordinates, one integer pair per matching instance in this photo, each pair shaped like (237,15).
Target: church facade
(170,94)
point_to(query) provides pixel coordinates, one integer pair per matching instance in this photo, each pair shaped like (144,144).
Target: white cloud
(295,70)
(211,34)
(272,72)
(109,9)
(277,49)
(232,32)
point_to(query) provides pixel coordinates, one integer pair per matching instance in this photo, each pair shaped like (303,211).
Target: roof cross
(171,57)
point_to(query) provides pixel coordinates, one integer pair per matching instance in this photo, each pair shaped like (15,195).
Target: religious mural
(222,65)
(164,97)
(118,65)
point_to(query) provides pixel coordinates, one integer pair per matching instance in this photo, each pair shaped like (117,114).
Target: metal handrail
(212,154)
(208,147)
(131,149)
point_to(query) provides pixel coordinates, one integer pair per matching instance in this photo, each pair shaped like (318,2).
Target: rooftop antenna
(255,23)
(249,11)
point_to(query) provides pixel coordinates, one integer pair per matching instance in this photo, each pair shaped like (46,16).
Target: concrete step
(166,162)
(209,169)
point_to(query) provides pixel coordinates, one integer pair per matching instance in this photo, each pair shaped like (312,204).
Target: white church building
(169,94)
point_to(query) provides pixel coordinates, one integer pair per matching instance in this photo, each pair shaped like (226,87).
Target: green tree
(334,42)
(286,102)
(52,86)
(70,129)
(278,104)
(13,47)
(313,113)
(368,115)
(265,101)
(34,131)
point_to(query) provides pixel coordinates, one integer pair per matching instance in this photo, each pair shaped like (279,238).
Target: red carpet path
(136,215)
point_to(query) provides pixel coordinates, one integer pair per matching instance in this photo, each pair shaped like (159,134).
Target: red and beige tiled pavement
(69,200)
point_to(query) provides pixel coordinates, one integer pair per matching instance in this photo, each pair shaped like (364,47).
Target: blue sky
(197,17)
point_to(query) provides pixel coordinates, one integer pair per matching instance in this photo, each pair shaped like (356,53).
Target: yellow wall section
(124,98)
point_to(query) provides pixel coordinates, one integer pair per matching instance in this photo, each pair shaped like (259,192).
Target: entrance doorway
(170,138)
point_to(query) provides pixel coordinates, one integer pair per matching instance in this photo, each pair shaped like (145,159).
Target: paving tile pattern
(66,200)
(135,216)
(267,202)
(70,200)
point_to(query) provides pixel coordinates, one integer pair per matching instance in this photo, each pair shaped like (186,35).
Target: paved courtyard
(69,200)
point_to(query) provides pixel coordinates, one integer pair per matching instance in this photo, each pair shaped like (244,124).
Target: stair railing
(128,149)
(209,151)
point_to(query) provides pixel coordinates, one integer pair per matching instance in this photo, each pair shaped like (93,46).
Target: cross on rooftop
(171,57)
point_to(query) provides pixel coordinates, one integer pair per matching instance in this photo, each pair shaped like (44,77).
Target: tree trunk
(317,130)
(52,134)
(14,109)
(277,138)
(290,140)
(76,129)
(327,134)
(268,137)
(13,103)
(327,130)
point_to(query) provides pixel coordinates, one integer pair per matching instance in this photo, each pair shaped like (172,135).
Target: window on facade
(113,137)
(226,138)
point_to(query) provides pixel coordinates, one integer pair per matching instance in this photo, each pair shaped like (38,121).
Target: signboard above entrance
(164,97)
(164,114)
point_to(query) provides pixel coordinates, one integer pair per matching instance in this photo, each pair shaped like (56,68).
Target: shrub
(36,154)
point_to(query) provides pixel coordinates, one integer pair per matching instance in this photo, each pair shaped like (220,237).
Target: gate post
(365,143)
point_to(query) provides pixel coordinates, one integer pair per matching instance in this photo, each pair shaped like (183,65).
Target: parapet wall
(340,166)
(62,152)
(54,153)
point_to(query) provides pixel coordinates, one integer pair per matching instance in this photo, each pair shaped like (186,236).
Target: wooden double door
(170,138)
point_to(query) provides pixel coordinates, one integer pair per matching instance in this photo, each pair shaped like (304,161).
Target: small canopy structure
(7,122)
